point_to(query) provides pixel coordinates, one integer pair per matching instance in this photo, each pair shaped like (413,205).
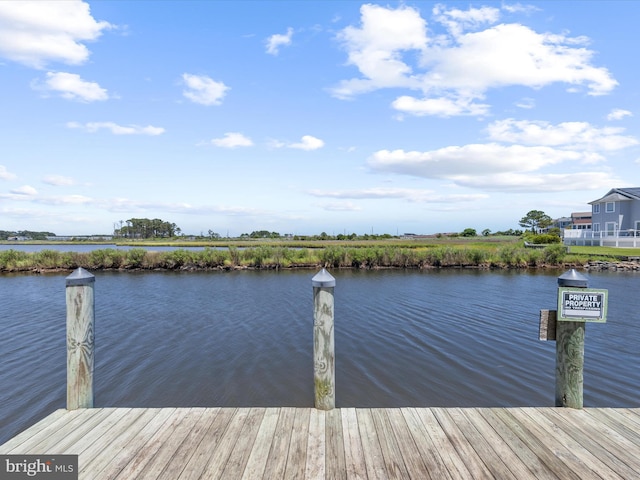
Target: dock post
(80,331)
(323,341)
(570,351)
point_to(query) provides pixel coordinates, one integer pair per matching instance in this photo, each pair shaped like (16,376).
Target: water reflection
(77,247)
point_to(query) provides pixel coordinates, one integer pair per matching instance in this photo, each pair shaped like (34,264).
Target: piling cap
(323,279)
(573,278)
(80,277)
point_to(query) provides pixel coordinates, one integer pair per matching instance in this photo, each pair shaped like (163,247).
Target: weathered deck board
(534,465)
(426,446)
(316,446)
(350,443)
(490,449)
(297,458)
(130,447)
(450,457)
(353,449)
(374,462)
(543,449)
(599,442)
(467,451)
(277,460)
(260,453)
(334,445)
(220,455)
(149,446)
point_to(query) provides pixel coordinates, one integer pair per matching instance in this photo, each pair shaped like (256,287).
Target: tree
(486,232)
(260,234)
(535,220)
(147,228)
(468,232)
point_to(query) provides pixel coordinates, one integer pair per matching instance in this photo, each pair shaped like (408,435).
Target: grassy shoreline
(267,255)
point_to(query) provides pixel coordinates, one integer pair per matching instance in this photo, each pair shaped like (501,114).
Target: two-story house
(617,213)
(614,222)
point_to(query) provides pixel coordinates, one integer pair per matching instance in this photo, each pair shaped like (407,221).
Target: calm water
(77,247)
(433,338)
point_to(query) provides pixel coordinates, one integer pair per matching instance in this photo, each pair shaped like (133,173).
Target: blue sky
(302,117)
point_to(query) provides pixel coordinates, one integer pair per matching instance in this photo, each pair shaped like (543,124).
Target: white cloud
(58,180)
(5,174)
(27,190)
(527,103)
(409,194)
(539,183)
(519,8)
(232,140)
(72,87)
(513,54)
(341,207)
(376,48)
(517,167)
(128,205)
(30,194)
(35,33)
(473,159)
(308,143)
(441,107)
(203,90)
(453,70)
(274,42)
(457,20)
(618,114)
(67,200)
(116,129)
(567,134)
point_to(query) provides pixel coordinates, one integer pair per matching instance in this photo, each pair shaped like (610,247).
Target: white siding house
(615,221)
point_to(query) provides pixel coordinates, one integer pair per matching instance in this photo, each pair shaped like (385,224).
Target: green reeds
(276,256)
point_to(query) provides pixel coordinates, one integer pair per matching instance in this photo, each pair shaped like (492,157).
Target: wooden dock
(373,443)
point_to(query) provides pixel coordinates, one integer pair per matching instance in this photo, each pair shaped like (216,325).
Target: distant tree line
(146,228)
(321,236)
(260,234)
(5,235)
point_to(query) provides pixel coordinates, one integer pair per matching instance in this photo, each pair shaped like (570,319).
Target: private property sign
(582,305)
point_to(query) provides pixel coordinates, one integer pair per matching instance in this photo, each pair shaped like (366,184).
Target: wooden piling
(323,341)
(80,332)
(569,364)
(570,350)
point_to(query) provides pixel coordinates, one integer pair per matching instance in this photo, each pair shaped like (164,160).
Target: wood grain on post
(569,364)
(570,350)
(80,332)
(323,341)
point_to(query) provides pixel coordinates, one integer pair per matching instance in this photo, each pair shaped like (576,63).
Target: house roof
(619,195)
(634,192)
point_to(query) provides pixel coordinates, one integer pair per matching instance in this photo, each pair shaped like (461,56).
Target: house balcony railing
(609,238)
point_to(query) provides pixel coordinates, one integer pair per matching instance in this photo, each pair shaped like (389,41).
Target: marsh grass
(276,256)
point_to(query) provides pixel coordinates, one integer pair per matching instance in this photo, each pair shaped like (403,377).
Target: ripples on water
(433,338)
